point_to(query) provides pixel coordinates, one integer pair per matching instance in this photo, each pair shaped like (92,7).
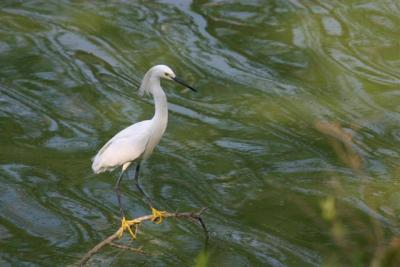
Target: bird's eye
(166,74)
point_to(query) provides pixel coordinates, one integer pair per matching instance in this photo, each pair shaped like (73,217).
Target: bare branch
(192,216)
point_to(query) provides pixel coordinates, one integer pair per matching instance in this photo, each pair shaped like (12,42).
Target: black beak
(176,79)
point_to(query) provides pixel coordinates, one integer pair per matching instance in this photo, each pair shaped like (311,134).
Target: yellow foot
(126,225)
(158,216)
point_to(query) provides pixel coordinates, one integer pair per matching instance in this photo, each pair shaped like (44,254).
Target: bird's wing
(125,146)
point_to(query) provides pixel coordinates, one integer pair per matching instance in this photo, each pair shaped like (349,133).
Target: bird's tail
(96,165)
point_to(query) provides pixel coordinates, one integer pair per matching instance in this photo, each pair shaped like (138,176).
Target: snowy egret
(137,142)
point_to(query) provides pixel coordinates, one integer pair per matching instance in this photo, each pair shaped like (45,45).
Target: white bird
(137,142)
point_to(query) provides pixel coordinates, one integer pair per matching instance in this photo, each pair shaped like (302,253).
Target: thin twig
(137,250)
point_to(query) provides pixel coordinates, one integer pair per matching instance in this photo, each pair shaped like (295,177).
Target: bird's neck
(160,103)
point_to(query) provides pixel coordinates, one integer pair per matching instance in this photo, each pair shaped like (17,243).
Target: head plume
(156,72)
(145,85)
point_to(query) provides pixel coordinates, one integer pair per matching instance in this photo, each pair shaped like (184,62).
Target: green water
(292,141)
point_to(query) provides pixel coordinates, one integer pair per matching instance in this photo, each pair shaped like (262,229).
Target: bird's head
(160,72)
(164,72)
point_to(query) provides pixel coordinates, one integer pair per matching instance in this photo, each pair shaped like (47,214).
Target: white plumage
(138,141)
(125,146)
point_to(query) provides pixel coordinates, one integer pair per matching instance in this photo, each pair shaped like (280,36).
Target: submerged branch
(192,216)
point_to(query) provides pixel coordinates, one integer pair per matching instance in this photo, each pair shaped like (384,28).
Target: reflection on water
(292,141)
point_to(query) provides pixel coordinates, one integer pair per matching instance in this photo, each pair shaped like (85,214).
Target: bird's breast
(158,130)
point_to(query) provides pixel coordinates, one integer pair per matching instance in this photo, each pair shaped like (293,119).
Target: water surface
(292,141)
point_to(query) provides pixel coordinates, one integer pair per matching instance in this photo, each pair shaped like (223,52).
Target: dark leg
(121,209)
(137,178)
(138,184)
(157,215)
